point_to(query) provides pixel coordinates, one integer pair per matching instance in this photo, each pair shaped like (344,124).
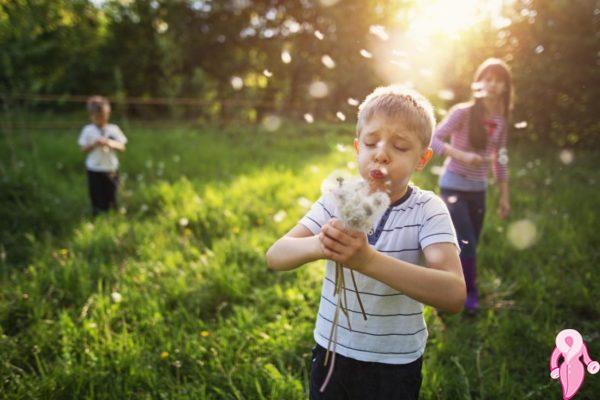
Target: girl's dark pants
(103,190)
(467,210)
(362,380)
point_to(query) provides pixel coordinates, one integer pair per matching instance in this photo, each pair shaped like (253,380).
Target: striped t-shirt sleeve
(447,128)
(436,225)
(318,215)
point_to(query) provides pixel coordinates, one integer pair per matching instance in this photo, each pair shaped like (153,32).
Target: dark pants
(467,210)
(361,380)
(103,190)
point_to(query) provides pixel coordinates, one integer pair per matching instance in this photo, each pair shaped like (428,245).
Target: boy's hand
(348,247)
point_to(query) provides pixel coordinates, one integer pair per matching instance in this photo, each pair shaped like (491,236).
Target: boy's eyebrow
(396,135)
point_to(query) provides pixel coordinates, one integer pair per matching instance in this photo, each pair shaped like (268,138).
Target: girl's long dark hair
(477,131)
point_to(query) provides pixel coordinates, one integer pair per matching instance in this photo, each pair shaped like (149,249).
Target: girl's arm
(299,246)
(453,123)
(445,129)
(501,173)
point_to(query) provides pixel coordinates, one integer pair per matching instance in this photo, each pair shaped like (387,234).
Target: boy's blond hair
(408,106)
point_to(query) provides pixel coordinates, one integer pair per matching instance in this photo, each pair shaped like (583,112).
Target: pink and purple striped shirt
(456,127)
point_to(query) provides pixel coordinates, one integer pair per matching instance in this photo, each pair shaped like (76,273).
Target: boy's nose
(381,156)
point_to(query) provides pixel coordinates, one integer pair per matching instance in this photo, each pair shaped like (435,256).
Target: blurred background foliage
(247,60)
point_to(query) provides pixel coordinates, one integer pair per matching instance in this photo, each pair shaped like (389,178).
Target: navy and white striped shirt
(395,330)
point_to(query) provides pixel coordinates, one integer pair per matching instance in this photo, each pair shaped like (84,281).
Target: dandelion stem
(362,308)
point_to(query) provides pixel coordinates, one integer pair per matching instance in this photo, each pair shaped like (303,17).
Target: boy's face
(100,118)
(388,153)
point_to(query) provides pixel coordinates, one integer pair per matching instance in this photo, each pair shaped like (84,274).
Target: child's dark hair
(95,104)
(477,132)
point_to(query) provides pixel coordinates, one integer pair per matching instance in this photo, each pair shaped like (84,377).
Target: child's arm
(441,285)
(299,246)
(446,129)
(115,145)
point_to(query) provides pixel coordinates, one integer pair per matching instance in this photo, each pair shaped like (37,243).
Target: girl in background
(473,138)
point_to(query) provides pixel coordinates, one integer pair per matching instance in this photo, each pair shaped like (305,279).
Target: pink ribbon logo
(570,346)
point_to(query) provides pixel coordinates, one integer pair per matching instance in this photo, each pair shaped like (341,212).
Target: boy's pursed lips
(377,174)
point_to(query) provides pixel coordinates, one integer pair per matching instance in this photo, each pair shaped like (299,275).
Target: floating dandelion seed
(353,101)
(351,165)
(341,148)
(309,118)
(286,57)
(465,241)
(318,89)
(271,122)
(402,64)
(279,216)
(328,61)
(304,202)
(328,3)
(116,297)
(521,125)
(436,170)
(365,53)
(539,49)
(122,210)
(237,83)
(267,73)
(379,31)
(446,94)
(566,156)
(183,222)
(144,208)
(522,234)
(314,169)
(503,156)
(452,199)
(340,116)
(319,35)
(399,53)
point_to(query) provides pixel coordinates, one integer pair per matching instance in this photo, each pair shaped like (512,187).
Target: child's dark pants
(103,190)
(362,380)
(467,210)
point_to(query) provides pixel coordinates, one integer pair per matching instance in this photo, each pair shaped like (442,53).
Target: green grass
(201,316)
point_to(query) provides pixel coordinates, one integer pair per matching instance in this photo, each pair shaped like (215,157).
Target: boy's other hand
(348,247)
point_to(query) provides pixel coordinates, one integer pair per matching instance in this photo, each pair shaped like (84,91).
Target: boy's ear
(356,145)
(425,157)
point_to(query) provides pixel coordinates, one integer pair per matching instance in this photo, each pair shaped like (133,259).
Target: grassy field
(171,296)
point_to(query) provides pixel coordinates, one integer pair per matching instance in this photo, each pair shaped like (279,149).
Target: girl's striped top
(395,330)
(456,128)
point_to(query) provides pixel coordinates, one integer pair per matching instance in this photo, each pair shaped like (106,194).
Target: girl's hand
(348,247)
(504,207)
(473,159)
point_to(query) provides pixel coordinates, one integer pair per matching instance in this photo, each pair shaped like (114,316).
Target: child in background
(101,140)
(410,258)
(478,133)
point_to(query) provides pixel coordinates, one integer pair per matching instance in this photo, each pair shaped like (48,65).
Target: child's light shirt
(395,331)
(101,158)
